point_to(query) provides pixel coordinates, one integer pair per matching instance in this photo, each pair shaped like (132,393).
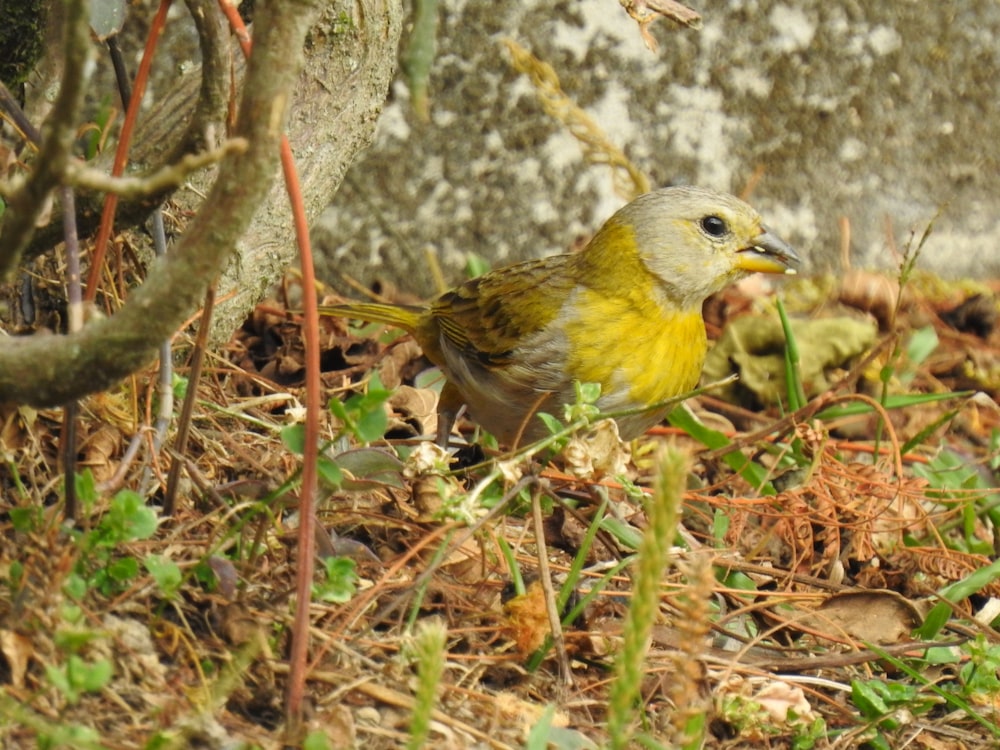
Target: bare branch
(160,181)
(188,119)
(15,116)
(49,370)
(25,205)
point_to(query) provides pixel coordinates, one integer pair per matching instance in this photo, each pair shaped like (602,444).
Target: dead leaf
(17,650)
(645,12)
(99,450)
(225,575)
(754,346)
(871,616)
(414,412)
(778,698)
(528,619)
(598,452)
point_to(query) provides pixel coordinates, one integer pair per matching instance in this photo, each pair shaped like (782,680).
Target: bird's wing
(486,318)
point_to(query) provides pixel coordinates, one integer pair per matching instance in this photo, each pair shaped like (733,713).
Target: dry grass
(773,598)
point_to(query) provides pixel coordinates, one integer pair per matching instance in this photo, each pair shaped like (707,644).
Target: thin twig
(545,580)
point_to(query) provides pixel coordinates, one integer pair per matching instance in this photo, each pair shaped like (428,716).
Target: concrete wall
(880,112)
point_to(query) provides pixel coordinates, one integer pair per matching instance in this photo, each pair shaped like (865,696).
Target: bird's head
(698,241)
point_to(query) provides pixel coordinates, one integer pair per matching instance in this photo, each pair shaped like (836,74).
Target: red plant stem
(307,496)
(121,152)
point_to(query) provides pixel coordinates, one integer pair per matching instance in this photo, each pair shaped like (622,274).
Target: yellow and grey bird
(625,312)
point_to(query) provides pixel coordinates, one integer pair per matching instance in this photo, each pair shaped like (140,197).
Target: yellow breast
(639,350)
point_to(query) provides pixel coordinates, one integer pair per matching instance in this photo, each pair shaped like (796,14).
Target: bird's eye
(714,226)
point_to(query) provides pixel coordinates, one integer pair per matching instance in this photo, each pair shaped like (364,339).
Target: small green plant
(95,132)
(888,706)
(476,265)
(341,581)
(662,510)
(77,676)
(980,675)
(294,439)
(127,519)
(364,415)
(954,482)
(922,344)
(750,719)
(955,696)
(27,519)
(343,23)
(316,740)
(568,603)
(179,386)
(575,416)
(166,573)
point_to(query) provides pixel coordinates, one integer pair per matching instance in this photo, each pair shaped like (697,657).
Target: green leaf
(107,18)
(166,573)
(77,676)
(90,677)
(86,488)
(587,393)
(720,525)
(74,639)
(683,419)
(627,536)
(741,582)
(26,520)
(936,619)
(180,386)
(373,421)
(315,740)
(895,401)
(949,696)
(940,654)
(341,581)
(123,570)
(924,434)
(868,700)
(922,344)
(58,678)
(75,587)
(338,409)
(541,733)
(972,583)
(364,415)
(793,370)
(476,265)
(128,519)
(370,467)
(329,473)
(552,424)
(294,436)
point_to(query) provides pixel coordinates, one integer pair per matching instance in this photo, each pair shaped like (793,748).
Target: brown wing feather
(487,317)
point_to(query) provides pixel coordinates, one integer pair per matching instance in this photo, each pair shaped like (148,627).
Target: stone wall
(884,113)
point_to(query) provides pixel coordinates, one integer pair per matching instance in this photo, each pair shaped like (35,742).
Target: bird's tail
(406,317)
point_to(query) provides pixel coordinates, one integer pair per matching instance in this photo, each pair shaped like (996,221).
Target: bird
(625,312)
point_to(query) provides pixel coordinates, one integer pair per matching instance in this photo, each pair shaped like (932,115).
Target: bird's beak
(768,254)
